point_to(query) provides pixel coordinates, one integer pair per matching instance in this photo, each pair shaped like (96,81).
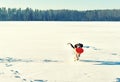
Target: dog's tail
(71,45)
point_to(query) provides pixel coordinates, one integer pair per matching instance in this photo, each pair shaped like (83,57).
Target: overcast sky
(62,4)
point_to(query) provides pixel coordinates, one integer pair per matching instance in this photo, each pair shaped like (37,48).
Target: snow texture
(38,52)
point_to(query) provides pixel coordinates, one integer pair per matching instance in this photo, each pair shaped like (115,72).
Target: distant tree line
(28,14)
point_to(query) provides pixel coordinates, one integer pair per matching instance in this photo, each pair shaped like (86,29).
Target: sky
(62,4)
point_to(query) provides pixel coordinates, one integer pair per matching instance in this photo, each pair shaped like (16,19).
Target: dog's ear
(81,45)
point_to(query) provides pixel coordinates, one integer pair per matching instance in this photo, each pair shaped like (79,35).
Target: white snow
(38,52)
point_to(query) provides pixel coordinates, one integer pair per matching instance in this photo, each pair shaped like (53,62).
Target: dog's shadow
(102,62)
(118,79)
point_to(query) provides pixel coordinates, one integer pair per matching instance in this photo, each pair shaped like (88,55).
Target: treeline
(28,14)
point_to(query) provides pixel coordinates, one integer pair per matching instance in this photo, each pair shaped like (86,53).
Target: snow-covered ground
(38,52)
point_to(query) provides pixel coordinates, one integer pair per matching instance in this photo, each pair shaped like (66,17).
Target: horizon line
(61,9)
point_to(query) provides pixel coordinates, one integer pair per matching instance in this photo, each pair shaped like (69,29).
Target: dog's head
(79,45)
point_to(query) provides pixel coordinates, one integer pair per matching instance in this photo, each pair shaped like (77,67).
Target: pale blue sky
(62,4)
